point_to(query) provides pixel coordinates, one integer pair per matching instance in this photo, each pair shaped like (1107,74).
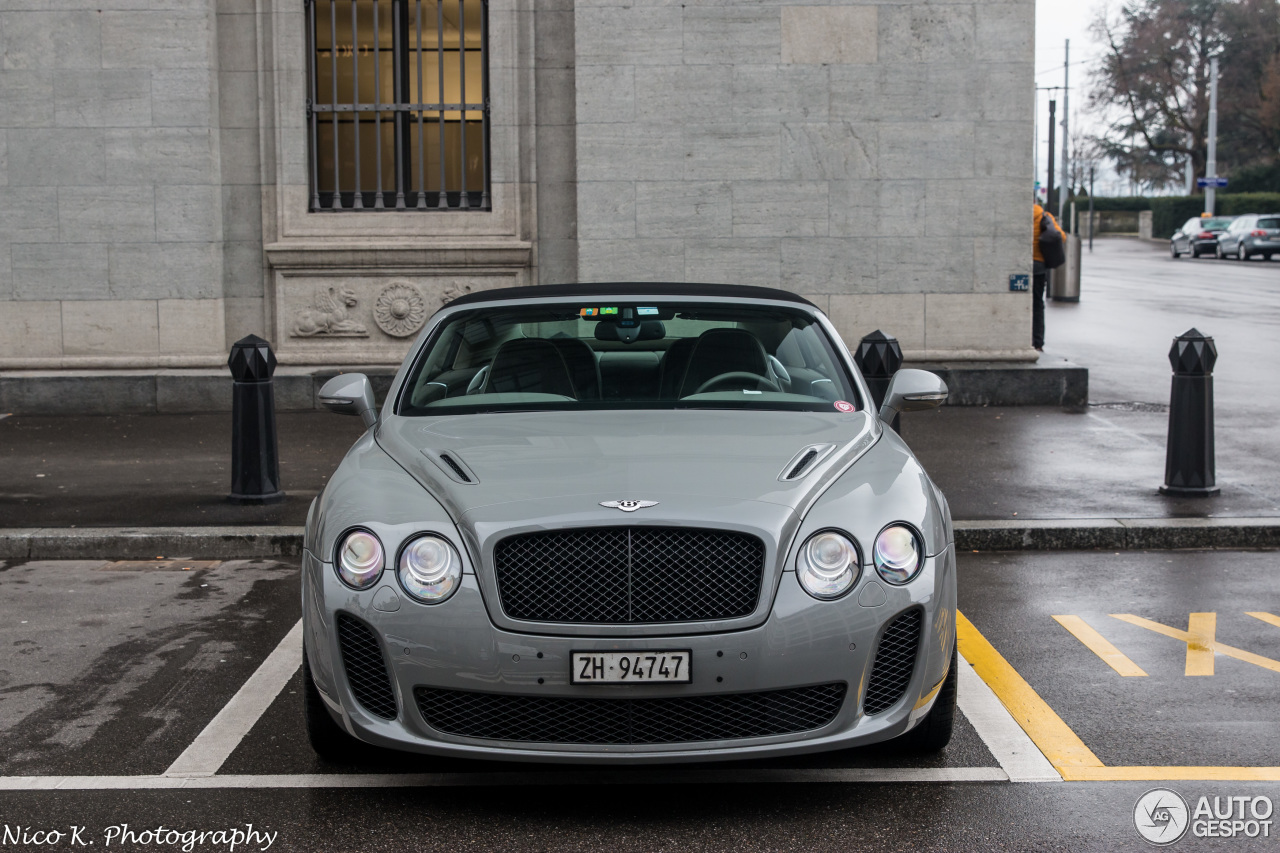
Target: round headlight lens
(430,570)
(359,559)
(898,555)
(827,565)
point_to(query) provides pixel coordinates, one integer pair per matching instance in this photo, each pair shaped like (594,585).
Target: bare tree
(1152,85)
(1151,88)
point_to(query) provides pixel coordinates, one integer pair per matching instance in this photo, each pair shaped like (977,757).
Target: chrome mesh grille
(894,664)
(624,575)
(366,669)
(679,719)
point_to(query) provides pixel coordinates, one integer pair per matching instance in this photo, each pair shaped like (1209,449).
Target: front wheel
(934,732)
(329,740)
(1173,250)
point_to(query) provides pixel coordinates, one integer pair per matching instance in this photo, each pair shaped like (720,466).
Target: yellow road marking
(1204,627)
(1064,749)
(1269,618)
(1213,645)
(1047,731)
(1098,644)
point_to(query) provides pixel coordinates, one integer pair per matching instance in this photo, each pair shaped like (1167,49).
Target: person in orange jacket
(1039,273)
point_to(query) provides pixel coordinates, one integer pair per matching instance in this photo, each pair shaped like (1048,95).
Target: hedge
(1257,179)
(1169,212)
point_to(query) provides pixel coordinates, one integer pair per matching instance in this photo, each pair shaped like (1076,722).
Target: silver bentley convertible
(629,523)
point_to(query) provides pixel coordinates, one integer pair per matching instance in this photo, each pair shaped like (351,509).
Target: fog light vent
(895,662)
(366,668)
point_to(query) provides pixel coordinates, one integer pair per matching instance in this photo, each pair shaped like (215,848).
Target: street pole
(1090,208)
(1066,137)
(1211,168)
(1048,197)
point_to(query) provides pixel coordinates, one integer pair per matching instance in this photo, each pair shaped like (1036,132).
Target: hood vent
(805,460)
(452,465)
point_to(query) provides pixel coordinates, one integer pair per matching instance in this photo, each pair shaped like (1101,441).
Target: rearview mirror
(910,391)
(350,394)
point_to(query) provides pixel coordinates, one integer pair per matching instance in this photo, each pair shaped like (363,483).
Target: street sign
(1217,183)
(1020,282)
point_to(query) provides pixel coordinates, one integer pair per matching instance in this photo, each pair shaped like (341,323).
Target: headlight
(828,565)
(898,555)
(430,569)
(359,560)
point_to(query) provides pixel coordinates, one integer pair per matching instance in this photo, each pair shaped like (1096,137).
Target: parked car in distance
(1249,235)
(1199,236)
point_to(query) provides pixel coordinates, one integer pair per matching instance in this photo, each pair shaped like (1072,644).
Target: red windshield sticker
(842,406)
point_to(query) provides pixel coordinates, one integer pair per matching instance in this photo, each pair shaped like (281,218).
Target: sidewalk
(1015,477)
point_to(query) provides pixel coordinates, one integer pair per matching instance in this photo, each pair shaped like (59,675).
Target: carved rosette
(400,310)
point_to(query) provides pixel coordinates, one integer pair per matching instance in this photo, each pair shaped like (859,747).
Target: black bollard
(1189,466)
(879,356)
(255,460)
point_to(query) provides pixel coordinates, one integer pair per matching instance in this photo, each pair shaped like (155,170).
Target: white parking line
(576,777)
(225,731)
(1018,755)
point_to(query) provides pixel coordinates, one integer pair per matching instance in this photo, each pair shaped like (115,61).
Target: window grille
(398,113)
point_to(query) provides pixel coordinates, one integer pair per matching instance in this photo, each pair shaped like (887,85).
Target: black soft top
(621,288)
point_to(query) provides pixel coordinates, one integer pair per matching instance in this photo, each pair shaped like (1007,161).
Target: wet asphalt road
(119,676)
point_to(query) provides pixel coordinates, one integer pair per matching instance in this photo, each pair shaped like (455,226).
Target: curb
(1117,534)
(229,543)
(148,543)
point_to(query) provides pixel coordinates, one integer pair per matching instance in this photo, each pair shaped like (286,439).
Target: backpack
(1051,247)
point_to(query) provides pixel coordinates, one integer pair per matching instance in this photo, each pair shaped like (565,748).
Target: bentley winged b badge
(628,506)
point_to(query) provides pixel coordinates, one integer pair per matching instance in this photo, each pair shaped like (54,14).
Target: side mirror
(350,394)
(910,391)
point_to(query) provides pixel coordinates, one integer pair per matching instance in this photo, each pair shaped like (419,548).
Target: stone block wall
(112,240)
(875,157)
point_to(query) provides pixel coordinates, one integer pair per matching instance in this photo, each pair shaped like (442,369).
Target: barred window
(398,111)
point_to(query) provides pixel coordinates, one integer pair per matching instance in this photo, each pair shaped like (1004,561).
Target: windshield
(659,354)
(1218,223)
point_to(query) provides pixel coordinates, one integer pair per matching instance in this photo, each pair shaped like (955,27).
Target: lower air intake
(679,719)
(366,668)
(895,662)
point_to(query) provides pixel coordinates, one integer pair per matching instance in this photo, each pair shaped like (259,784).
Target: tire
(1242,254)
(1173,250)
(329,740)
(1217,252)
(934,731)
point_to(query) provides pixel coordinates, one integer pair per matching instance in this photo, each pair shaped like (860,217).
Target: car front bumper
(803,642)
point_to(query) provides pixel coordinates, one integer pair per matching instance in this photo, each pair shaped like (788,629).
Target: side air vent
(453,466)
(805,460)
(457,469)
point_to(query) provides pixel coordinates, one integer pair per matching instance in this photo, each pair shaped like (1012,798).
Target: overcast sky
(1056,21)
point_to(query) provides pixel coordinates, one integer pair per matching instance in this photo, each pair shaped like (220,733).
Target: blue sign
(1021,281)
(1218,183)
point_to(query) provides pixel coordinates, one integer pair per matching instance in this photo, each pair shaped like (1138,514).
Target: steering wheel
(736,379)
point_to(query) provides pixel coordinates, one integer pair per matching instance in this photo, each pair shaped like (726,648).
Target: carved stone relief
(400,309)
(329,316)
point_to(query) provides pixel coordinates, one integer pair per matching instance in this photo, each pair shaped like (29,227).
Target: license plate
(631,667)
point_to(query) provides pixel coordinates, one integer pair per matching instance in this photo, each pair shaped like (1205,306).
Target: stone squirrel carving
(329,316)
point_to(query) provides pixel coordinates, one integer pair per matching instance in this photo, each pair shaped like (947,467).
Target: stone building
(325,173)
